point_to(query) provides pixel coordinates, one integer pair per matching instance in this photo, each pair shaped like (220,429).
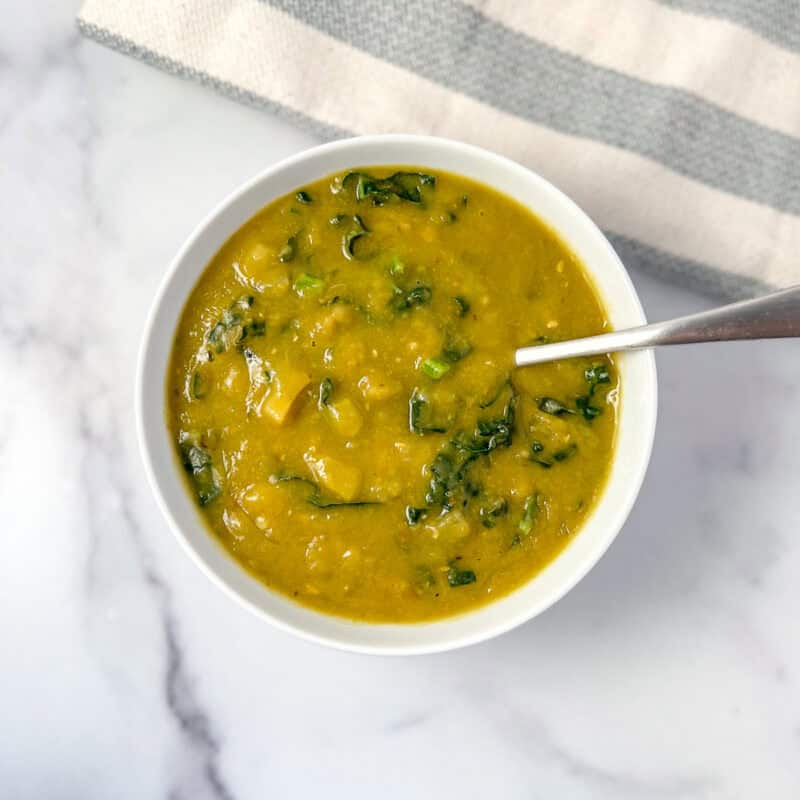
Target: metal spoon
(774,316)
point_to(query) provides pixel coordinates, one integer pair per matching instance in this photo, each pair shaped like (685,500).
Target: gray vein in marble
(87,136)
(205,780)
(528,733)
(183,705)
(413,720)
(70,368)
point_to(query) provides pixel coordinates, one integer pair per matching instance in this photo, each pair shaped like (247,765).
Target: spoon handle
(773,316)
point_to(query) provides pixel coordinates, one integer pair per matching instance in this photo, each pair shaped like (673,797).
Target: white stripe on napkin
(253,46)
(668,47)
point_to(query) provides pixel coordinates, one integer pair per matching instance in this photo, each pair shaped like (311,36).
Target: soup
(342,396)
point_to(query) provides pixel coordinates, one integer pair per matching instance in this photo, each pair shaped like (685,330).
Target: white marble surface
(672,671)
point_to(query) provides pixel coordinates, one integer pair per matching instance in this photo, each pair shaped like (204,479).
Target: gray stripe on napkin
(506,69)
(633,253)
(691,274)
(130,48)
(776,20)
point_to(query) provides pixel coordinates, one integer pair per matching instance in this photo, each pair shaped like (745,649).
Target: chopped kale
(255,328)
(595,375)
(357,230)
(530,512)
(424,579)
(406,186)
(491,510)
(449,482)
(493,398)
(418,408)
(414,515)
(198,463)
(319,502)
(551,406)
(456,349)
(234,325)
(325,392)
(404,300)
(289,250)
(315,498)
(199,385)
(562,454)
(463,305)
(460,577)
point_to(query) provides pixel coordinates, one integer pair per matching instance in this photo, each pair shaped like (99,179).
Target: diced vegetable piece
(452,527)
(345,417)
(262,502)
(377,386)
(435,368)
(285,388)
(307,284)
(338,477)
(396,266)
(257,253)
(316,499)
(303,197)
(463,306)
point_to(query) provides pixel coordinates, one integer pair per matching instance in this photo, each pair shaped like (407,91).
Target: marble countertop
(671,671)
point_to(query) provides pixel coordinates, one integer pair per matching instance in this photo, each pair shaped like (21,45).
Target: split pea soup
(342,397)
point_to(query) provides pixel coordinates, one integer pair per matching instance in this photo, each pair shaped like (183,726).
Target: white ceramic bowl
(637,416)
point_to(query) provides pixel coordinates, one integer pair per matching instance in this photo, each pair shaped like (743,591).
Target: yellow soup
(343,398)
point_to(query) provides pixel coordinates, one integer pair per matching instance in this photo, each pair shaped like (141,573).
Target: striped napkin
(675,124)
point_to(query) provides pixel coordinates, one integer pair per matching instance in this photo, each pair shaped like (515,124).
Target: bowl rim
(648,408)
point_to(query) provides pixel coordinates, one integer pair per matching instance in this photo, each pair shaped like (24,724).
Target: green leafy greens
(407,186)
(234,326)
(197,462)
(418,416)
(316,497)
